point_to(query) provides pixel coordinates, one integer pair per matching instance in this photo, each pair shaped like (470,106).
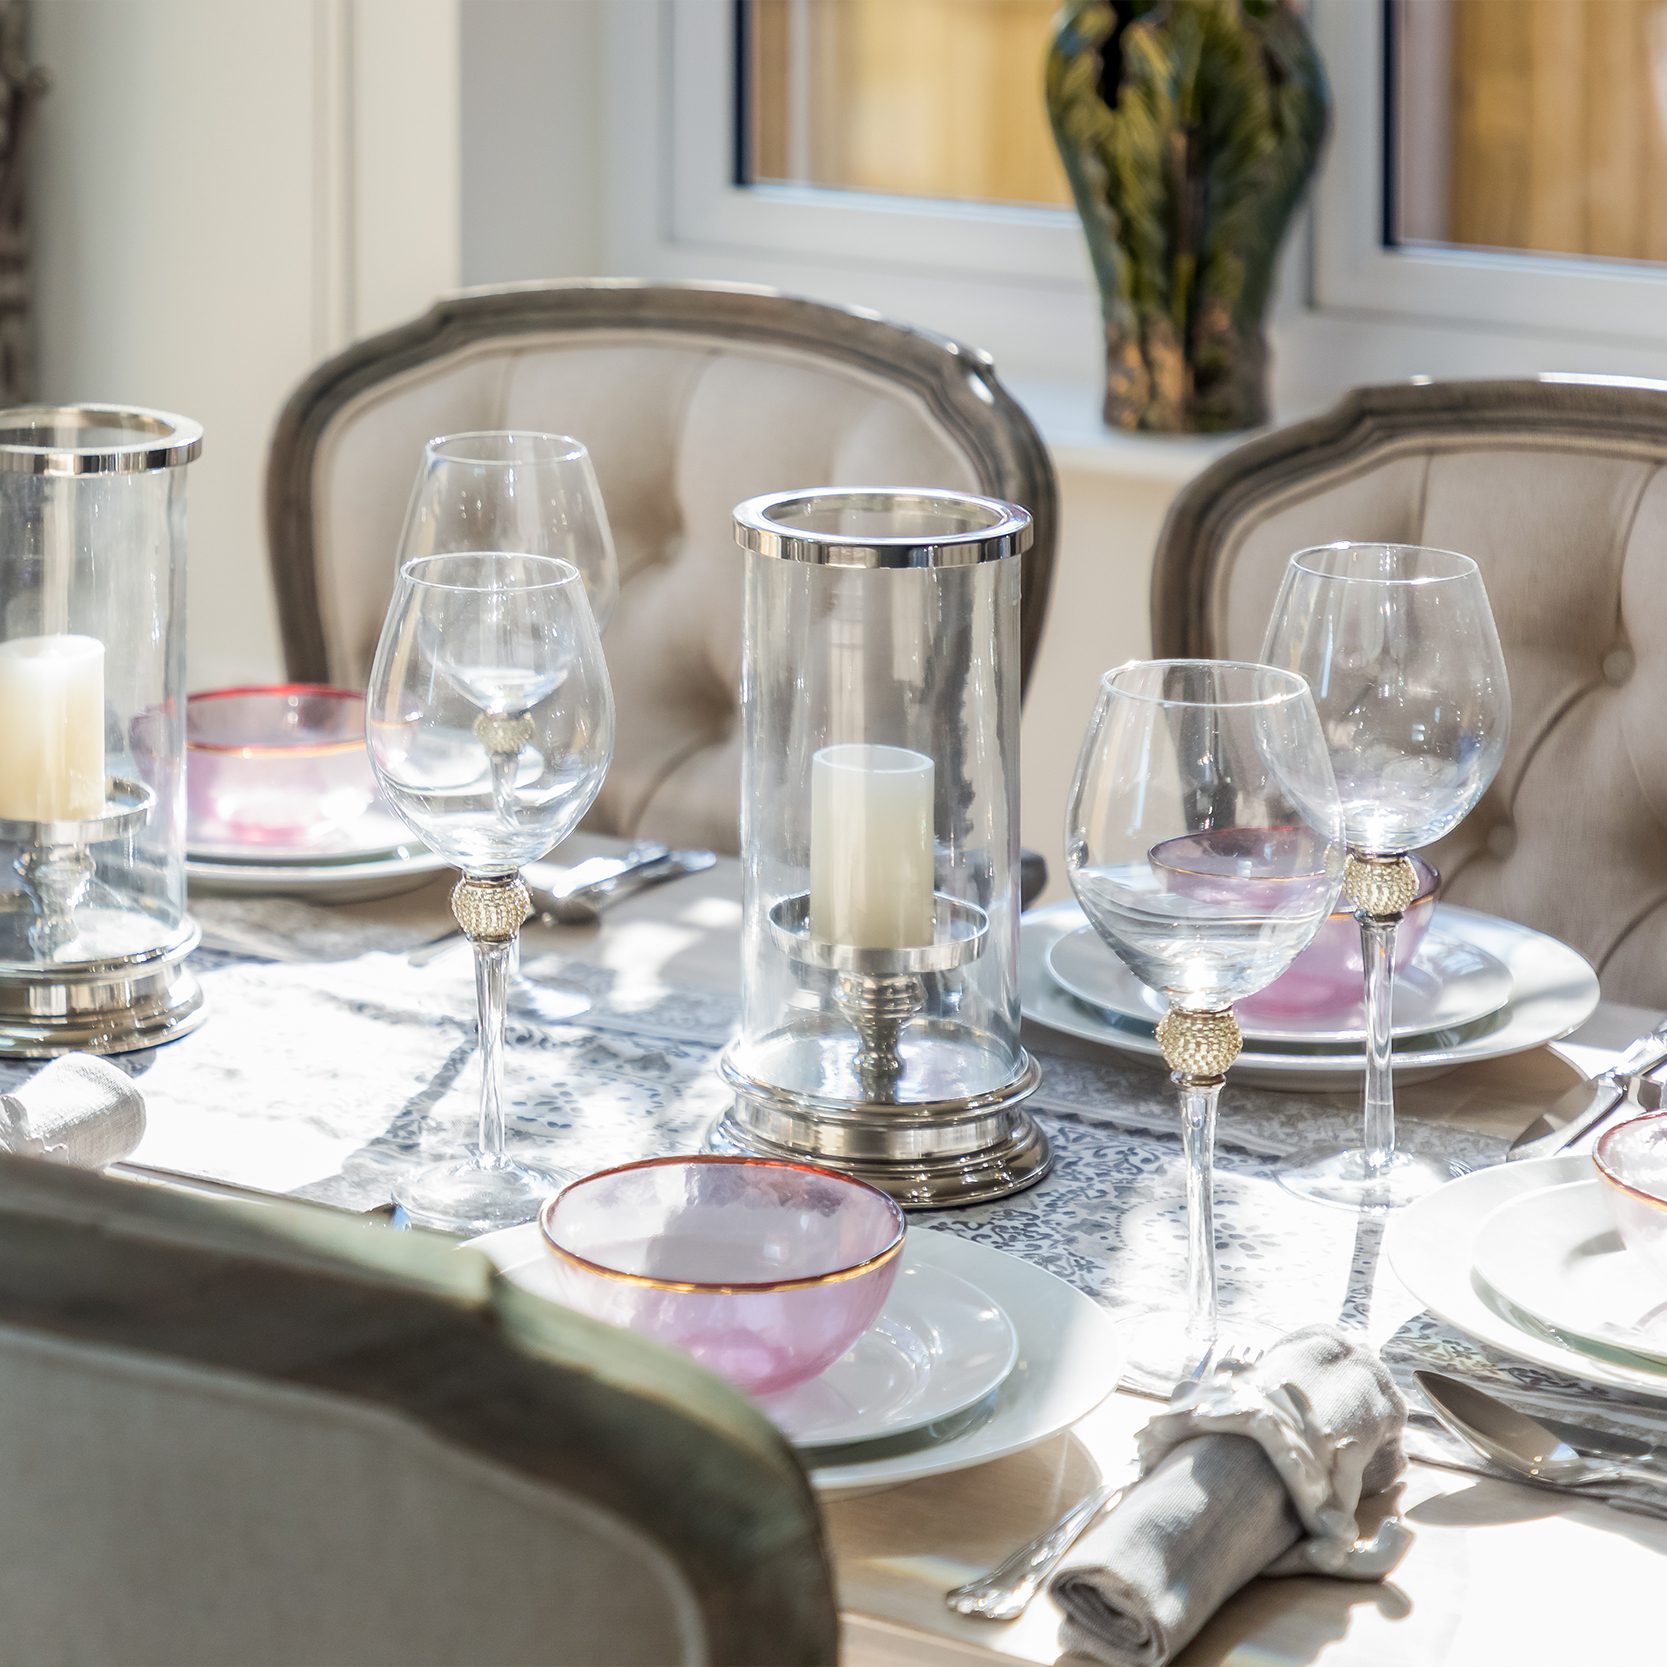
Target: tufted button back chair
(1558,489)
(242,1433)
(690,398)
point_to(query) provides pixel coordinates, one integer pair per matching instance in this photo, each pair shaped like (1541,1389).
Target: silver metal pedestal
(927,1156)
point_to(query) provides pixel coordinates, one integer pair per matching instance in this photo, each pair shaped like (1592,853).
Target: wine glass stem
(1198,1140)
(1377,953)
(492,964)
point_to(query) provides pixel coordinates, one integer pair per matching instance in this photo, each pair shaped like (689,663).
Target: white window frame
(1017,280)
(1355,272)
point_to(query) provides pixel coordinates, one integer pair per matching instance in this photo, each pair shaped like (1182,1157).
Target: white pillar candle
(871,843)
(51,728)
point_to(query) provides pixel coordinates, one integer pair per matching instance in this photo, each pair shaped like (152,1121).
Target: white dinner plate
(323,882)
(1431,1245)
(1553,991)
(1557,1256)
(939,1346)
(375,833)
(1068,1358)
(1451,982)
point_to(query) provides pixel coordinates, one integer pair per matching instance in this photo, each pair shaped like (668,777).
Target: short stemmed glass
(1399,645)
(490,725)
(1204,842)
(514,490)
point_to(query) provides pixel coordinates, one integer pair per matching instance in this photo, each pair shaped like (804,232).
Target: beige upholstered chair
(239,1433)
(1558,488)
(690,398)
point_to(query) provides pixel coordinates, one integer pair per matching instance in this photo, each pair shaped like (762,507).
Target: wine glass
(1204,842)
(514,490)
(1399,646)
(490,726)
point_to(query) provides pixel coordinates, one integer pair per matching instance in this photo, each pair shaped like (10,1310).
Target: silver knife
(1580,1111)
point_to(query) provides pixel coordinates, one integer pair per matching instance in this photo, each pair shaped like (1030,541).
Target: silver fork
(1006,1591)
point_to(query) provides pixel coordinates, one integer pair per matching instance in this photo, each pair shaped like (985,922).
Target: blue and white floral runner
(324,1073)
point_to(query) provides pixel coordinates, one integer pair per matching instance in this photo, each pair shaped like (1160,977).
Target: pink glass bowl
(1632,1160)
(278,767)
(765,1272)
(1326,978)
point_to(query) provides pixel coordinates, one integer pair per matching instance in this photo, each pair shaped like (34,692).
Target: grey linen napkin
(79,1110)
(1255,1470)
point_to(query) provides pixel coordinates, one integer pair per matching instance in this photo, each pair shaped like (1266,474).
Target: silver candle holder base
(958,1149)
(105,1004)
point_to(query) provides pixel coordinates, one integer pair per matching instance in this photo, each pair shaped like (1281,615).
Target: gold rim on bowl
(1609,1174)
(833,1276)
(275,749)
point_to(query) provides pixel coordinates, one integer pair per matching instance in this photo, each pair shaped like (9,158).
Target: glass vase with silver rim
(93,928)
(879,843)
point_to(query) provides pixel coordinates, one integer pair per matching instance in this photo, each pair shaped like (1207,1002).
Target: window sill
(1068,416)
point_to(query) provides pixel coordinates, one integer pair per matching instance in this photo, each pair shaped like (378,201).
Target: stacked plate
(975,1355)
(375,857)
(1525,1258)
(281,801)
(1476,988)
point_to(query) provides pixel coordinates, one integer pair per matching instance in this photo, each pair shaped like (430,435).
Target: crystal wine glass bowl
(1399,646)
(764,1271)
(518,491)
(1204,842)
(490,726)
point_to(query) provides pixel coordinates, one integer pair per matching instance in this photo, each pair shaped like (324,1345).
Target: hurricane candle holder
(93,929)
(879,842)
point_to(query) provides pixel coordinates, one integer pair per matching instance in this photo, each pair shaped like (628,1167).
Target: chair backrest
(690,399)
(1557,487)
(246,1433)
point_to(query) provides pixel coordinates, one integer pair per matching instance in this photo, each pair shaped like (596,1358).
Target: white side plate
(1451,982)
(1431,1245)
(326,882)
(1554,991)
(939,1346)
(1557,1256)
(1068,1359)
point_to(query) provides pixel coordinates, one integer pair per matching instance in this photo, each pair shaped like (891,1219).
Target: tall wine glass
(1399,646)
(490,725)
(514,490)
(1204,843)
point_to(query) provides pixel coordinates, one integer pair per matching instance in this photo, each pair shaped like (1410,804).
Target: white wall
(226,191)
(223,192)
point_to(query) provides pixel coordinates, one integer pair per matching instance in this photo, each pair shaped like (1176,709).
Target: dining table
(331,1056)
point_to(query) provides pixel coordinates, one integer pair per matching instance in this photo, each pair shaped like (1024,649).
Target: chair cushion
(1572,542)
(682,427)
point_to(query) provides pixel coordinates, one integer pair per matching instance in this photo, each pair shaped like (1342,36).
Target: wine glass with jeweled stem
(490,726)
(1204,842)
(514,490)
(1399,645)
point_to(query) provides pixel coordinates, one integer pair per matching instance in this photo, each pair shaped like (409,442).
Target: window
(916,98)
(1536,127)
(1490,203)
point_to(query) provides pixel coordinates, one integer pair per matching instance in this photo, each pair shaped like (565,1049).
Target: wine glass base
(469,1195)
(1346,1181)
(1163,1352)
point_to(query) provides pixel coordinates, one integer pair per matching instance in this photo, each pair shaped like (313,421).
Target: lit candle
(51,728)
(871,873)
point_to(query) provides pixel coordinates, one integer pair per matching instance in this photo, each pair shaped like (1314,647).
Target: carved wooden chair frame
(1366,424)
(958,384)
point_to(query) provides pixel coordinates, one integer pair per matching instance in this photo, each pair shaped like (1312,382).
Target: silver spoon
(1521,1444)
(583,905)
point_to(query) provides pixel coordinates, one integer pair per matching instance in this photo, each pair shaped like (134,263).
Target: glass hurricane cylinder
(879,843)
(93,928)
